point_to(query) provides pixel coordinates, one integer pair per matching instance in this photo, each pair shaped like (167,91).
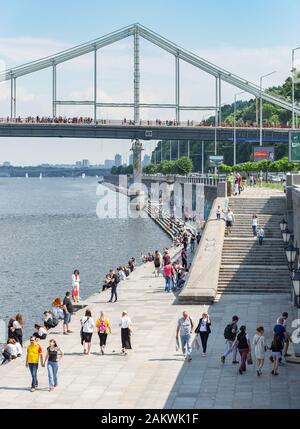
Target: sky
(248,39)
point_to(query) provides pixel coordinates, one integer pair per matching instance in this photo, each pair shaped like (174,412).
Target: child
(218,213)
(10,351)
(261,235)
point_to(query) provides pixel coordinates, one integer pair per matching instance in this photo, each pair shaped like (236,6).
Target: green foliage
(122,170)
(223,168)
(181,166)
(184,165)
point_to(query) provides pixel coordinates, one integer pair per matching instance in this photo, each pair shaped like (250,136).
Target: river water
(48,228)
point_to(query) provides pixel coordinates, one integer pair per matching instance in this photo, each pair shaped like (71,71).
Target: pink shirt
(168,270)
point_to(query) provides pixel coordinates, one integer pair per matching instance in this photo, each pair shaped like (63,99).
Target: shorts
(87,337)
(276,355)
(228,223)
(75,292)
(67,318)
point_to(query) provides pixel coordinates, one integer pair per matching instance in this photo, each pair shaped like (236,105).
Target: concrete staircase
(246,266)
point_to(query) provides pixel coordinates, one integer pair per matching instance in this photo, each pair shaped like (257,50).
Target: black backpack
(53,322)
(228,335)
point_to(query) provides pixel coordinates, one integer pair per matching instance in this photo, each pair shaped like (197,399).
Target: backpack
(228,335)
(117,278)
(53,322)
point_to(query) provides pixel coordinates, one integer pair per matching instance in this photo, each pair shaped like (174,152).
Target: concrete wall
(201,287)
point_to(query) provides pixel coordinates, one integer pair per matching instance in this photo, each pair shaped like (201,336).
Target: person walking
(198,237)
(243,346)
(184,258)
(193,239)
(185,328)
(114,284)
(126,331)
(261,234)
(229,219)
(230,333)
(218,213)
(259,349)
(34,355)
(203,329)
(103,326)
(254,225)
(287,339)
(276,348)
(68,311)
(87,329)
(157,263)
(75,286)
(169,274)
(53,355)
(280,330)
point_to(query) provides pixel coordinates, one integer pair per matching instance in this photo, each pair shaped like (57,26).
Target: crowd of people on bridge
(130,122)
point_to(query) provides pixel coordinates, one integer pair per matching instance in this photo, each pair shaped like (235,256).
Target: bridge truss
(137,31)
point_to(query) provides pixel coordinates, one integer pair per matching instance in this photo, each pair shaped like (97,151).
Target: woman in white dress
(259,349)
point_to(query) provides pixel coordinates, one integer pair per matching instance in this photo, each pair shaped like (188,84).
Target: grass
(278,186)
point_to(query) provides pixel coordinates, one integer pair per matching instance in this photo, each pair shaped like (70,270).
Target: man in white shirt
(185,326)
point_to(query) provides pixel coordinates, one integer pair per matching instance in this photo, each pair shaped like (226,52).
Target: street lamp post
(261,108)
(293,86)
(286,234)
(234,127)
(296,287)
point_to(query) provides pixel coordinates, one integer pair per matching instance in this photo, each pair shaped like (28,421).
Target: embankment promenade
(154,374)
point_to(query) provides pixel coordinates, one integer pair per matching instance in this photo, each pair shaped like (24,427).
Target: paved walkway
(154,375)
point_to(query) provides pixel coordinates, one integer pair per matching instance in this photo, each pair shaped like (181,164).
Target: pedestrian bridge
(142,132)
(179,54)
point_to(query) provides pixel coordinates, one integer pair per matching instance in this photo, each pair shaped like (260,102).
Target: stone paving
(154,374)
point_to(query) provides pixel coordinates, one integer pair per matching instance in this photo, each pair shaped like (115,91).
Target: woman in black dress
(126,330)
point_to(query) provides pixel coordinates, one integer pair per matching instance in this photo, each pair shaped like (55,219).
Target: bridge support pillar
(54,90)
(137,148)
(13,97)
(177,88)
(136,77)
(136,193)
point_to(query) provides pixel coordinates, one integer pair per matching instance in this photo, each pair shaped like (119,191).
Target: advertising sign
(215,160)
(261,153)
(294,146)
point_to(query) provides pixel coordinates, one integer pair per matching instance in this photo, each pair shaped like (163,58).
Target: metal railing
(129,122)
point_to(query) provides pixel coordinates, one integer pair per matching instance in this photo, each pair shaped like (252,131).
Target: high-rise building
(85,163)
(146,160)
(131,159)
(109,163)
(78,164)
(6,164)
(118,160)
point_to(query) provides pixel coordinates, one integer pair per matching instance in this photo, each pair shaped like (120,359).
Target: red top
(168,270)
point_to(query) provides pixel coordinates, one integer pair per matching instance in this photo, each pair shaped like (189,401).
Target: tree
(184,165)
(224,168)
(151,169)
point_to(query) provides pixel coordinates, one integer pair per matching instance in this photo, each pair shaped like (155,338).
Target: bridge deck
(140,132)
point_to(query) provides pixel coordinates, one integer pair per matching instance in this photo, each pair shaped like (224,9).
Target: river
(48,228)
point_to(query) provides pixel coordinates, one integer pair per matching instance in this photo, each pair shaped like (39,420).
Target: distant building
(109,163)
(6,164)
(85,163)
(78,164)
(146,160)
(131,159)
(118,160)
